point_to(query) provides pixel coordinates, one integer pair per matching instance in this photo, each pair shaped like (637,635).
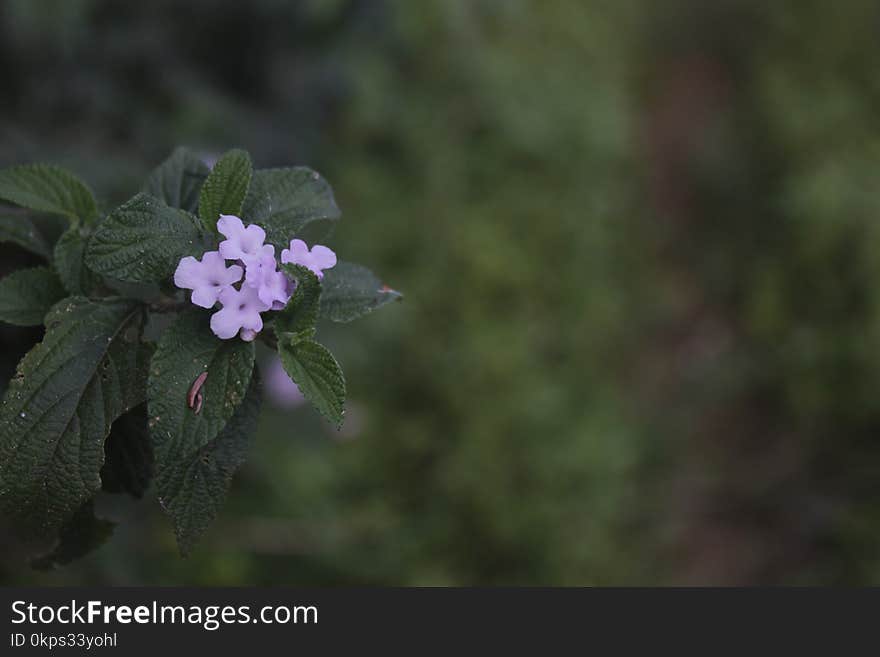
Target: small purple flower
(259,268)
(240,314)
(272,285)
(264,287)
(245,244)
(207,279)
(316,260)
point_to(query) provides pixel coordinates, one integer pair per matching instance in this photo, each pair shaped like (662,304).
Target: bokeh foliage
(639,248)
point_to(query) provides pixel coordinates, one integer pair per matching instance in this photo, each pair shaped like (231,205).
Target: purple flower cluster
(250,286)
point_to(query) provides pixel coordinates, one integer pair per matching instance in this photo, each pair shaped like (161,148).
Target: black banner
(134,621)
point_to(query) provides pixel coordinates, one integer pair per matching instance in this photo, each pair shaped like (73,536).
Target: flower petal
(232,275)
(322,257)
(225,324)
(230,226)
(252,320)
(188,273)
(296,254)
(205,296)
(318,259)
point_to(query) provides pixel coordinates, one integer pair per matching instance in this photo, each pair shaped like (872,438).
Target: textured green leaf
(206,473)
(22,231)
(142,241)
(57,411)
(301,311)
(128,455)
(317,374)
(69,262)
(187,350)
(83,533)
(226,187)
(292,202)
(27,295)
(47,188)
(349,291)
(178,180)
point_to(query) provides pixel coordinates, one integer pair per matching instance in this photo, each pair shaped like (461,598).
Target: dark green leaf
(21,230)
(27,295)
(292,202)
(47,188)
(349,291)
(69,262)
(301,311)
(142,241)
(316,373)
(83,533)
(57,411)
(226,187)
(177,181)
(128,455)
(187,350)
(204,474)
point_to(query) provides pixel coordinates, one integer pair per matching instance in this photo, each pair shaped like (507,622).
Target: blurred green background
(640,247)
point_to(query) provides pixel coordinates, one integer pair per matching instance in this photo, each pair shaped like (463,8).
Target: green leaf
(47,188)
(67,391)
(206,473)
(178,180)
(69,262)
(226,187)
(292,202)
(128,455)
(27,295)
(301,312)
(82,534)
(142,241)
(187,350)
(316,373)
(350,291)
(21,230)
